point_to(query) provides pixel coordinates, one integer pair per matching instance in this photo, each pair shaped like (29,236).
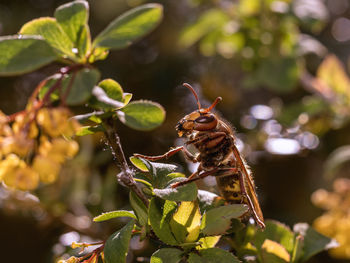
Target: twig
(126,175)
(67,91)
(86,116)
(38,104)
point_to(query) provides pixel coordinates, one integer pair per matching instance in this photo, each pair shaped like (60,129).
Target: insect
(217,156)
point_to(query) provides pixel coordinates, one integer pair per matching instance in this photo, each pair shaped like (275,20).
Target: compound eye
(205,119)
(205,123)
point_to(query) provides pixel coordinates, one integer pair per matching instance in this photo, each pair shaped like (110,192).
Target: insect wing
(250,189)
(254,200)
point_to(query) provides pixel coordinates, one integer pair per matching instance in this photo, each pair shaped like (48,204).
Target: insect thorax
(215,156)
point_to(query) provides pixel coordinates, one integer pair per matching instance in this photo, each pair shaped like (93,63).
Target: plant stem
(126,175)
(41,103)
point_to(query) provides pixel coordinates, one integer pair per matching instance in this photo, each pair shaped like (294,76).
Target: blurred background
(282,70)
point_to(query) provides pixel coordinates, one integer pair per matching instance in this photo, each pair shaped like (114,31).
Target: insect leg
(250,203)
(189,156)
(192,178)
(169,153)
(188,180)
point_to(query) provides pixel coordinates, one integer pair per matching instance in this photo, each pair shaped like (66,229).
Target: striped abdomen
(229,187)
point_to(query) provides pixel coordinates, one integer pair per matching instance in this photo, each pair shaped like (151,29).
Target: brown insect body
(218,156)
(215,152)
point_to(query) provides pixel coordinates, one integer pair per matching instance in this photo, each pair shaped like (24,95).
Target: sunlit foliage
(335,222)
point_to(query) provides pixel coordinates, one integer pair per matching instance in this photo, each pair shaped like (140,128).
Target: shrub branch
(126,175)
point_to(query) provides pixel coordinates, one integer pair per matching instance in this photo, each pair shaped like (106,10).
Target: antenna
(194,93)
(217,100)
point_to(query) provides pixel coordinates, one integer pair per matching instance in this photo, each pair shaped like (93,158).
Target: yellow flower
(47,168)
(21,177)
(70,260)
(57,121)
(58,149)
(62,149)
(335,222)
(1,150)
(44,146)
(8,165)
(73,260)
(73,149)
(22,126)
(18,144)
(5,129)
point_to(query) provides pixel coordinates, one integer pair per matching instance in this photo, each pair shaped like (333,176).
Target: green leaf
(82,83)
(172,176)
(160,172)
(87,130)
(311,105)
(273,252)
(208,45)
(22,54)
(98,53)
(139,207)
(167,255)
(228,45)
(218,220)
(277,74)
(208,242)
(208,200)
(113,214)
(146,177)
(298,248)
(138,164)
(212,255)
(244,236)
(335,161)
(187,192)
(237,226)
(209,21)
(50,81)
(108,95)
(142,115)
(116,247)
(51,31)
(277,232)
(160,213)
(195,258)
(127,98)
(185,222)
(130,26)
(95,119)
(314,242)
(145,182)
(249,8)
(334,79)
(73,18)
(112,89)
